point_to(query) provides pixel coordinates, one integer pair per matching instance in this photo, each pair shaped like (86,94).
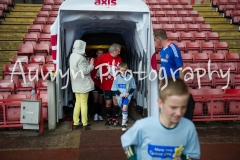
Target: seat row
(207,47)
(166,2)
(31,48)
(193,36)
(169,7)
(214,57)
(33,59)
(50,7)
(53,2)
(204,82)
(174,13)
(216,3)
(174,20)
(47,14)
(37,37)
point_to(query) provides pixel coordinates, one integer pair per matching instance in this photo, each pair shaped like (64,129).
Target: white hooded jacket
(80,69)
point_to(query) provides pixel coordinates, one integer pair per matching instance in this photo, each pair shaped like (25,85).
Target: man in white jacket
(82,83)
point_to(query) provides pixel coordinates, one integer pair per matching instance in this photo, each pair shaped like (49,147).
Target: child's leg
(95,104)
(124,114)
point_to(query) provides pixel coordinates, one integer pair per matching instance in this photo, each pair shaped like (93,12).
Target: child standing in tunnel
(123,86)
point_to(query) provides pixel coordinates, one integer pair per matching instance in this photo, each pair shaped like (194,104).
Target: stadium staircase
(226,31)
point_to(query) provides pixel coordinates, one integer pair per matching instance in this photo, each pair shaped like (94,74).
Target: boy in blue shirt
(164,136)
(124,85)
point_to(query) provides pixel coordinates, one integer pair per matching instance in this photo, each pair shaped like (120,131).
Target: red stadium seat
(152,2)
(167,7)
(24,86)
(186,57)
(217,108)
(35,28)
(187,20)
(42,84)
(235,20)
(202,57)
(48,2)
(168,27)
(58,2)
(40,20)
(220,82)
(181,46)
(6,86)
(204,82)
(46,29)
(172,36)
(49,59)
(154,20)
(177,8)
(22,59)
(180,27)
(193,66)
(37,59)
(205,28)
(187,7)
(212,67)
(43,13)
(173,2)
(232,2)
(160,13)
(221,47)
(192,27)
(185,37)
(53,13)
(235,79)
(156,26)
(182,13)
(183,2)
(56,7)
(9,68)
(46,7)
(45,37)
(232,57)
(217,57)
(42,48)
(25,49)
(156,8)
(192,47)
(199,36)
(163,2)
(50,20)
(171,13)
(234,107)
(228,65)
(199,20)
(30,37)
(175,19)
(48,68)
(192,13)
(207,47)
(163,20)
(31,68)
(212,36)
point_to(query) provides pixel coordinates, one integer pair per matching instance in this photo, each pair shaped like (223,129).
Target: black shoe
(116,123)
(76,127)
(85,128)
(109,122)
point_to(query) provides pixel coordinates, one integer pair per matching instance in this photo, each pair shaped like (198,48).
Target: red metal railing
(10,114)
(217,107)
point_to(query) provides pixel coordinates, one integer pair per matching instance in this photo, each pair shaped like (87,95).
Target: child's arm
(130,153)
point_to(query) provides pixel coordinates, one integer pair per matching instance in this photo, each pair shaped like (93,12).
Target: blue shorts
(125,101)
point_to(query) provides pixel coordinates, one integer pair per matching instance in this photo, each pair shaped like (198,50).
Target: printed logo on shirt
(121,85)
(164,151)
(167,56)
(127,86)
(164,60)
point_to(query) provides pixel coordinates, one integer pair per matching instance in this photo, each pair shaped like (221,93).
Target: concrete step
(201,5)
(225,30)
(216,22)
(21,20)
(11,36)
(222,26)
(231,42)
(9,45)
(25,10)
(14,27)
(234,50)
(37,8)
(216,19)
(234,46)
(208,14)
(229,34)
(27,5)
(7,54)
(17,23)
(21,16)
(199,8)
(24,13)
(2,66)
(229,38)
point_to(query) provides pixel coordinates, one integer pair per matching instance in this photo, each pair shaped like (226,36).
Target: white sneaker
(124,128)
(95,117)
(100,118)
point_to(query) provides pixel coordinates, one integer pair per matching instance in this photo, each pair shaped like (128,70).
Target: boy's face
(123,71)
(173,108)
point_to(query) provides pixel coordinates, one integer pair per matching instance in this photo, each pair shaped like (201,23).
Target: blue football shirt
(171,59)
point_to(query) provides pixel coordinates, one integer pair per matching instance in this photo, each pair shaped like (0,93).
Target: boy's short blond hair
(161,33)
(173,88)
(123,65)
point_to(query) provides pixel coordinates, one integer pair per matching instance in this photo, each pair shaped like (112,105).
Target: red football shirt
(95,79)
(111,63)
